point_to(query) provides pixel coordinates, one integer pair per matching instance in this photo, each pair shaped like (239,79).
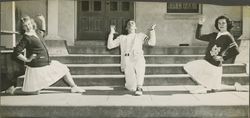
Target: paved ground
(117,96)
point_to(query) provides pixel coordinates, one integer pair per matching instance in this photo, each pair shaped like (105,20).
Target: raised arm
(198,35)
(112,43)
(152,36)
(41,24)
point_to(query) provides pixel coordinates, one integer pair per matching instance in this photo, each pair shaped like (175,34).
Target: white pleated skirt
(204,73)
(37,78)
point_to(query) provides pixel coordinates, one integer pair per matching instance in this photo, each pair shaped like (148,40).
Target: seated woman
(40,72)
(221,46)
(132,58)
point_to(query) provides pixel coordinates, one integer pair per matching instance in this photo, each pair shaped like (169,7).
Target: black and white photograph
(124,58)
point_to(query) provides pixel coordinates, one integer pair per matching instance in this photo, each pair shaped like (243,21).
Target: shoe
(138,91)
(240,88)
(10,90)
(199,91)
(77,90)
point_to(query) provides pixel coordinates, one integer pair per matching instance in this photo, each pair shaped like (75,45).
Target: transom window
(125,6)
(113,6)
(85,5)
(90,6)
(97,5)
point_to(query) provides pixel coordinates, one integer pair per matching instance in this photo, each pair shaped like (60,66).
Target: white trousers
(134,72)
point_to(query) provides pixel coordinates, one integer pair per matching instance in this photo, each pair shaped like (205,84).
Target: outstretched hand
(112,29)
(202,19)
(218,58)
(153,26)
(41,17)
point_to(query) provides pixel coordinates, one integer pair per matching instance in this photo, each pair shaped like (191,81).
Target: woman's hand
(112,29)
(41,17)
(202,19)
(218,58)
(153,27)
(33,56)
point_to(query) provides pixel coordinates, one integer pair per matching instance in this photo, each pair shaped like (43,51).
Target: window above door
(92,6)
(119,6)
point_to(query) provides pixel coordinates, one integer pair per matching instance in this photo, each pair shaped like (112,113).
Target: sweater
(33,45)
(224,46)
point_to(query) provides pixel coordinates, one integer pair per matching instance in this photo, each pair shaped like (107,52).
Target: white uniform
(132,59)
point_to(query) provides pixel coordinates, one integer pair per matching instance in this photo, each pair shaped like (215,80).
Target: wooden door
(95,17)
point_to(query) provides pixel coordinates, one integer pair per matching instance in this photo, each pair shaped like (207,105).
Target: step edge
(115,55)
(147,65)
(149,76)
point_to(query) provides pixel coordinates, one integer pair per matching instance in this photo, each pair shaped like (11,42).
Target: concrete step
(109,69)
(172,50)
(150,80)
(91,43)
(114,101)
(57,47)
(115,59)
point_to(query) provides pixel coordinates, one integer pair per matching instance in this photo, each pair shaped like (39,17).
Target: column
(53,20)
(243,57)
(56,44)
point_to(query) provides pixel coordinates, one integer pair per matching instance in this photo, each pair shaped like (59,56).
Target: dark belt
(126,54)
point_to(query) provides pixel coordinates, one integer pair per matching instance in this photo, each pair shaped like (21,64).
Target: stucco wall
(66,15)
(171,30)
(30,8)
(175,30)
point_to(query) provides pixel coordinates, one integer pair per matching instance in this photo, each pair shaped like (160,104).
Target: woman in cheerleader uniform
(221,46)
(41,71)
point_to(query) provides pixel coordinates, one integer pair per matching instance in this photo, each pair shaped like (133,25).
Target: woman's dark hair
(229,23)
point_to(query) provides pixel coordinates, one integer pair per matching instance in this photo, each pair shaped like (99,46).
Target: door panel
(96,16)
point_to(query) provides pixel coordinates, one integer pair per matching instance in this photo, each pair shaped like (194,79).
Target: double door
(96,16)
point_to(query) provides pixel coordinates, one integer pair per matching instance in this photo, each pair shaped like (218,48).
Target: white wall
(175,30)
(171,30)
(30,8)
(213,11)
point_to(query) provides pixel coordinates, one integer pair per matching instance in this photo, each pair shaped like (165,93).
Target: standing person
(132,58)
(40,72)
(221,46)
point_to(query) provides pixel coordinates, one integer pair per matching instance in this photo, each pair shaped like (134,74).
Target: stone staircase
(166,87)
(97,66)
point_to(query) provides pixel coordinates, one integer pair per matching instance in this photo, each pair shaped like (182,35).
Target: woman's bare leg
(237,87)
(74,88)
(68,78)
(18,91)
